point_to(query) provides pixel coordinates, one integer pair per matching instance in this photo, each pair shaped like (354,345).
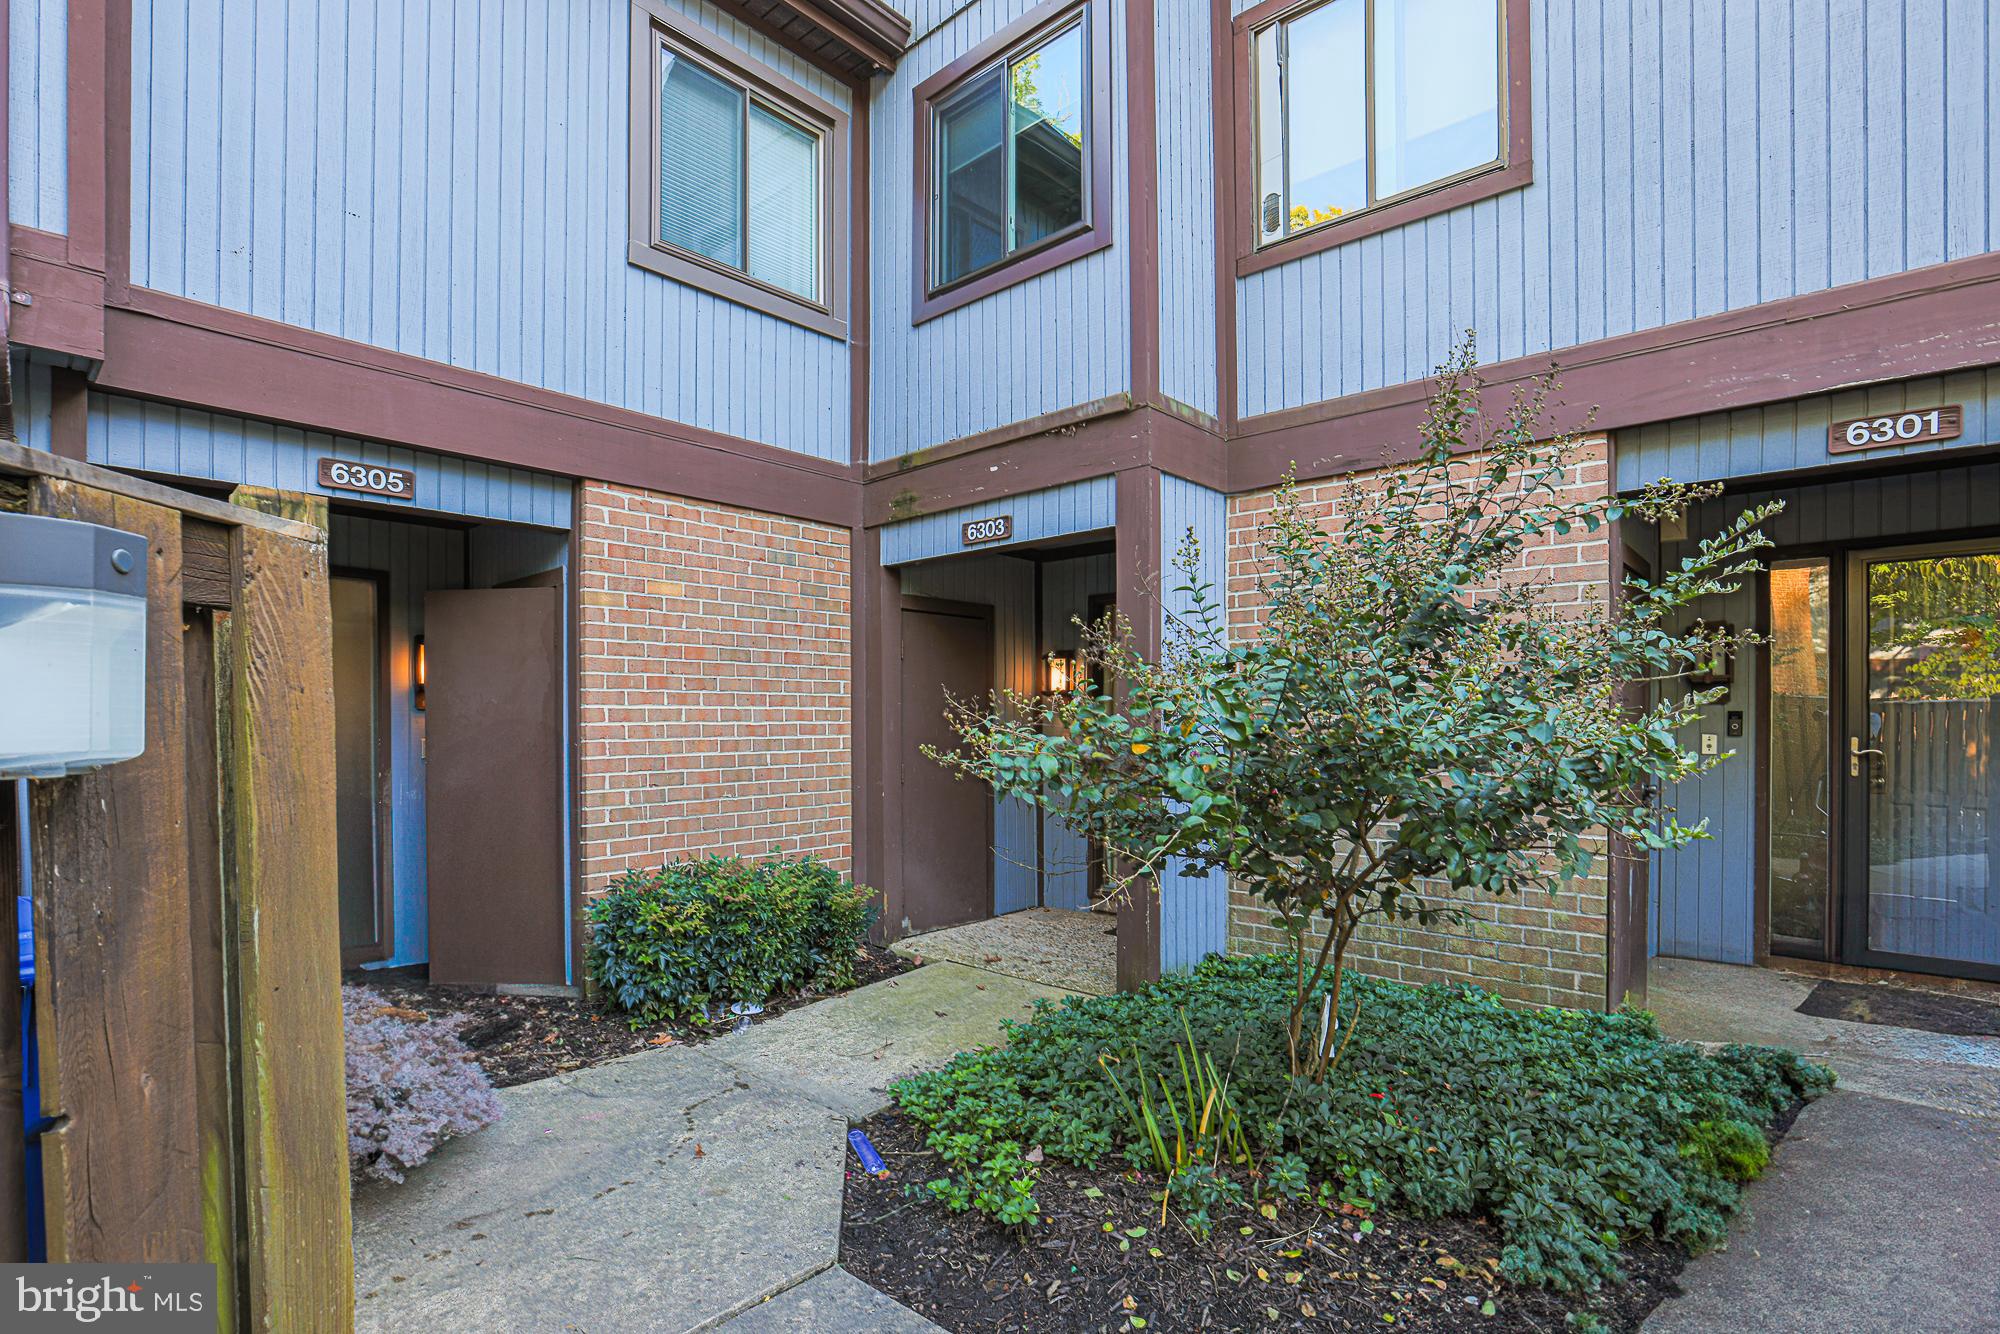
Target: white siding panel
(1691,156)
(38,114)
(445,179)
(1052,342)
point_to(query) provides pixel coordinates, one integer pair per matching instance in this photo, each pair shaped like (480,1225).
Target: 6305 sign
(1915,427)
(373,478)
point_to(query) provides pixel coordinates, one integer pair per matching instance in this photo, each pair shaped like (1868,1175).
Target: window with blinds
(741,179)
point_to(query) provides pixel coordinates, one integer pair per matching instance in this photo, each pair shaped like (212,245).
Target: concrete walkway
(673,1189)
(1877,1213)
(1077,951)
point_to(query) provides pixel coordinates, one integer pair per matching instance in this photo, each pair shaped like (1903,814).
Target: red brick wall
(714,680)
(1545,948)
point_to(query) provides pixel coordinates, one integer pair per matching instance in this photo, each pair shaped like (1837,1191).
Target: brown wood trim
(1043,424)
(175,350)
(1514,169)
(65,302)
(384,944)
(1760,816)
(652,21)
(1921,322)
(1094,235)
(99,32)
(863,26)
(879,726)
(1223,94)
(113,155)
(579,932)
(1137,598)
(1143,189)
(1140,438)
(69,414)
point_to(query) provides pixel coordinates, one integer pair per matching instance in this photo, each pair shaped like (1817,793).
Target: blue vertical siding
(1052,342)
(32,426)
(1194,909)
(447,179)
(1704,895)
(172,441)
(1782,437)
(38,114)
(1183,96)
(1689,158)
(1059,511)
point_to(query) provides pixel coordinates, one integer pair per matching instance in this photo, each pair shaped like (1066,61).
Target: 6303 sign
(996,529)
(373,478)
(1915,427)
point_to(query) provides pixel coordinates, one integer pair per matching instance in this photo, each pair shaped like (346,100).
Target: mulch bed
(1100,1260)
(517,1039)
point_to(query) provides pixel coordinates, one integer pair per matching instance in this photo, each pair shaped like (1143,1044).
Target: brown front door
(947,823)
(493,785)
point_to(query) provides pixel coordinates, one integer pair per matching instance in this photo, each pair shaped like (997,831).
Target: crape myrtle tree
(1420,720)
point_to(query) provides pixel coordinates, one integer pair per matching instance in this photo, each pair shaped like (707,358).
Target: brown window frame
(1514,168)
(656,28)
(928,301)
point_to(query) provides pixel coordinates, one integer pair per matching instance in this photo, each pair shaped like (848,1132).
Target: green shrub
(1734,1150)
(1565,1128)
(665,943)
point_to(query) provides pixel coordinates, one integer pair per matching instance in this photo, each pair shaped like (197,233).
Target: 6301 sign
(373,478)
(1916,427)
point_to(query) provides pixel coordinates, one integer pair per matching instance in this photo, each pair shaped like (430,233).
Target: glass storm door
(1800,765)
(1917,758)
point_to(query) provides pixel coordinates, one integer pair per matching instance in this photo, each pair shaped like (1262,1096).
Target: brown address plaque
(996,529)
(373,478)
(1917,426)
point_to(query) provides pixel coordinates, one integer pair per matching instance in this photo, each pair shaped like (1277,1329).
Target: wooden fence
(188,991)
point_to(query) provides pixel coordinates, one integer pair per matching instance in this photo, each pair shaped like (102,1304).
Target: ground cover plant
(1573,1133)
(677,942)
(1423,718)
(411,1085)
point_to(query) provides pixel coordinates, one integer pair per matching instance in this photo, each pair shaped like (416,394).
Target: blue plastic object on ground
(871,1161)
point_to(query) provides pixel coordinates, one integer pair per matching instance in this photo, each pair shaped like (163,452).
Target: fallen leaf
(1306,1310)
(664,1039)
(1293,1277)
(698,1152)
(1487,1307)
(1263,1274)
(1135,1232)
(1092,1193)
(1131,1304)
(1033,1155)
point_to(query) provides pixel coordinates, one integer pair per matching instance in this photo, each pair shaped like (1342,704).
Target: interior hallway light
(418,667)
(1061,672)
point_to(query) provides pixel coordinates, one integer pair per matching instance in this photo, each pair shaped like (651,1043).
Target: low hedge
(1572,1131)
(667,943)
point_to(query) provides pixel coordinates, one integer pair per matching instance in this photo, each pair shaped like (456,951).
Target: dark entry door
(493,785)
(947,824)
(1630,870)
(360,767)
(1921,823)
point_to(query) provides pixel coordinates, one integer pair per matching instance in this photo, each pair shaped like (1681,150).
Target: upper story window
(1013,158)
(1375,109)
(736,180)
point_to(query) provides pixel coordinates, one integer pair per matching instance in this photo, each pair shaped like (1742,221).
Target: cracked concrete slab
(1077,951)
(663,1191)
(845,1051)
(1874,1215)
(829,1301)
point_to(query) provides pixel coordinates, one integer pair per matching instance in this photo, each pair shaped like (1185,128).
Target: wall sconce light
(1061,672)
(72,646)
(418,668)
(1717,665)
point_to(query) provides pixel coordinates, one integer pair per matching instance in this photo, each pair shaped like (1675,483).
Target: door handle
(1855,751)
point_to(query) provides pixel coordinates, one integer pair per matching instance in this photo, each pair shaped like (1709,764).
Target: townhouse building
(696,388)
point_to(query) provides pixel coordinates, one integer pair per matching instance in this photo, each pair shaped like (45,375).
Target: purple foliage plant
(411,1085)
